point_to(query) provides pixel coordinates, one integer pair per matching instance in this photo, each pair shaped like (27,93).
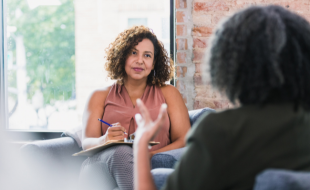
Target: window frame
(30,135)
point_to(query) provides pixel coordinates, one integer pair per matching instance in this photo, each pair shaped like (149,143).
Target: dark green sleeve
(203,164)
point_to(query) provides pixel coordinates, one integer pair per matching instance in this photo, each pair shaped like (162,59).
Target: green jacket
(226,150)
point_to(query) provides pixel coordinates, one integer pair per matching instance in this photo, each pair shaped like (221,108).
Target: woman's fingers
(117,138)
(139,119)
(117,133)
(161,116)
(111,129)
(144,112)
(158,123)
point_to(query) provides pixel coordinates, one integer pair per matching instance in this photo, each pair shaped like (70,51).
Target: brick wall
(195,21)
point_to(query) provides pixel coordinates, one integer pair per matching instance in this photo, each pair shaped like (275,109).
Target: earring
(153,82)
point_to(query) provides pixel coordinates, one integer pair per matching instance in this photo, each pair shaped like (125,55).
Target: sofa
(53,166)
(51,161)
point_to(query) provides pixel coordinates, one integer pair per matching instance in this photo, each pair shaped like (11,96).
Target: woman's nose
(140,59)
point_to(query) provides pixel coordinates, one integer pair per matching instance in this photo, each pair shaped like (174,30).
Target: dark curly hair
(117,53)
(262,55)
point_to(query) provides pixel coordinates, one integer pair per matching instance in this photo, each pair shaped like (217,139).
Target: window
(137,22)
(52,55)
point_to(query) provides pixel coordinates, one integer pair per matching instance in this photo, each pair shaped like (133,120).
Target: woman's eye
(134,53)
(147,55)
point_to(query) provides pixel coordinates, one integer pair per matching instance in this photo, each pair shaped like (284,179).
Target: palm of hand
(147,128)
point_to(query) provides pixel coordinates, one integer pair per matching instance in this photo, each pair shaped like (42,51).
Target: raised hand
(148,129)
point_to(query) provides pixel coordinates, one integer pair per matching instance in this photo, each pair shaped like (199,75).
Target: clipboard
(96,149)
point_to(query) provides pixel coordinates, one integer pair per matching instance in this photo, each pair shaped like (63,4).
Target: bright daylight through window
(55,54)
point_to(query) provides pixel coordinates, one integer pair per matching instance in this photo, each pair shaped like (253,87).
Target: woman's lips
(138,69)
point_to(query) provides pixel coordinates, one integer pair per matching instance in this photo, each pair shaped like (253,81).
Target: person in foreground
(141,66)
(260,59)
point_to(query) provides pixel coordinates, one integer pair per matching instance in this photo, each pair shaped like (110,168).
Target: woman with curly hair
(141,66)
(260,58)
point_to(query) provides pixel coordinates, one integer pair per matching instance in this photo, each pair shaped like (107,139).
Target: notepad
(96,149)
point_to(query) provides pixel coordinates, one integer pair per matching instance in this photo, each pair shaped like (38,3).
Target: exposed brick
(306,16)
(200,42)
(201,102)
(206,91)
(181,30)
(295,5)
(216,18)
(180,86)
(198,55)
(181,44)
(181,16)
(180,4)
(197,68)
(201,19)
(181,57)
(184,98)
(202,31)
(222,104)
(181,71)
(184,71)
(198,104)
(211,6)
(178,71)
(197,79)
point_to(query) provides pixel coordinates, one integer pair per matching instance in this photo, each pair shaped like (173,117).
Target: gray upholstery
(195,114)
(55,166)
(160,176)
(169,158)
(52,162)
(275,179)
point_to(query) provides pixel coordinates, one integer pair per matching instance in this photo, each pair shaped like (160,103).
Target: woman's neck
(135,85)
(135,89)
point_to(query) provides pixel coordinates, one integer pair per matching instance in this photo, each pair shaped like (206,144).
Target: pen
(108,124)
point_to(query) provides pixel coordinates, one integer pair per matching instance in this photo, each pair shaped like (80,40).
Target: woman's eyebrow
(148,52)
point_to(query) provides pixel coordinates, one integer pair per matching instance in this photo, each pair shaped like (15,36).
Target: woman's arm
(91,127)
(179,118)
(92,132)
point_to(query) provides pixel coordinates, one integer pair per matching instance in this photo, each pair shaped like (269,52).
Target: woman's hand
(148,129)
(116,132)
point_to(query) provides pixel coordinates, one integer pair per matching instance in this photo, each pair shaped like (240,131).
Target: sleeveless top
(118,107)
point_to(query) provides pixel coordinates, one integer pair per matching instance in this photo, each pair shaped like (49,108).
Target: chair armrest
(51,161)
(160,176)
(276,179)
(167,159)
(195,114)
(55,148)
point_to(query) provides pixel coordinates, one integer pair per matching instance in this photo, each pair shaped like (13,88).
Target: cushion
(195,114)
(167,159)
(276,179)
(160,176)
(75,133)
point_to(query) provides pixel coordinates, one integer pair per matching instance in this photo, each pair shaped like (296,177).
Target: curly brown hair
(118,51)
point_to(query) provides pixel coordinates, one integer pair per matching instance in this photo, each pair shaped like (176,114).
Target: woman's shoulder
(173,97)
(99,95)
(169,90)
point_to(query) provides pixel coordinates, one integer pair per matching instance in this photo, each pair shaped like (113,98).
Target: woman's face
(139,62)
